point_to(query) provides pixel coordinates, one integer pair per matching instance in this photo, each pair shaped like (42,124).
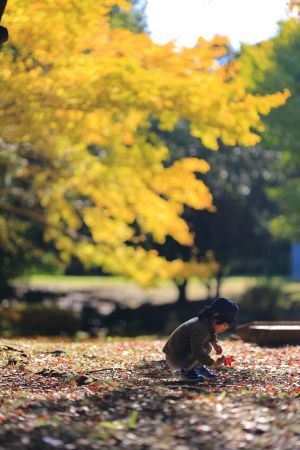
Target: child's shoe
(190,375)
(204,372)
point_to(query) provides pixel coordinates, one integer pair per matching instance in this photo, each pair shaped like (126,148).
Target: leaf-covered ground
(119,394)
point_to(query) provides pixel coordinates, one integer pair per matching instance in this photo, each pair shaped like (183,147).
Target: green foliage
(24,319)
(238,231)
(263,301)
(287,224)
(133,20)
(22,247)
(275,64)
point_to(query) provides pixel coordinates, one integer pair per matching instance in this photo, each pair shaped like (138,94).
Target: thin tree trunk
(208,287)
(181,286)
(2,7)
(219,279)
(3,30)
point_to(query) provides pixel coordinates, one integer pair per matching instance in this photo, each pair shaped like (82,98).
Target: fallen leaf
(228,360)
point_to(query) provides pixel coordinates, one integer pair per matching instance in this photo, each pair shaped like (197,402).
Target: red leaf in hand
(228,360)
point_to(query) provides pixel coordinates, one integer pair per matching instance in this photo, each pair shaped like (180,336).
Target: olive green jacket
(191,342)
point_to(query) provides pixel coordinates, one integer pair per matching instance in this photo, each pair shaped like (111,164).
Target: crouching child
(189,346)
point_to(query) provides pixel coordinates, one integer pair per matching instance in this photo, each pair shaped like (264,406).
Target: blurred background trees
(121,156)
(271,65)
(81,161)
(238,232)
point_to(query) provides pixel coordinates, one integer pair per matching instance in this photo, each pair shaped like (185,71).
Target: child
(189,345)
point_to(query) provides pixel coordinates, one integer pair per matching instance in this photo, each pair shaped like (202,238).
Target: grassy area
(72,281)
(231,286)
(118,393)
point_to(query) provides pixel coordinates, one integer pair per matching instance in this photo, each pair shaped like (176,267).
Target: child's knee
(173,365)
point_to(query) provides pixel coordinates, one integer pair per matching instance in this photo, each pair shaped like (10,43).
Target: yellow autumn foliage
(83,96)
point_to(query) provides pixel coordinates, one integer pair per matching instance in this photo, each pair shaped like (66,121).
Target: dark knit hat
(228,308)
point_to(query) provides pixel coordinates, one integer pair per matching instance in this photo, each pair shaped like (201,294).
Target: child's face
(219,327)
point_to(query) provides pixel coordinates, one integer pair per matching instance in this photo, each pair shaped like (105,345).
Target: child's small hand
(219,361)
(218,349)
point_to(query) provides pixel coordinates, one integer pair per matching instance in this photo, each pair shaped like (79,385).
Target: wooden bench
(270,333)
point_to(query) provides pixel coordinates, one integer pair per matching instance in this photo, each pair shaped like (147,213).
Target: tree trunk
(219,278)
(181,286)
(208,287)
(3,30)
